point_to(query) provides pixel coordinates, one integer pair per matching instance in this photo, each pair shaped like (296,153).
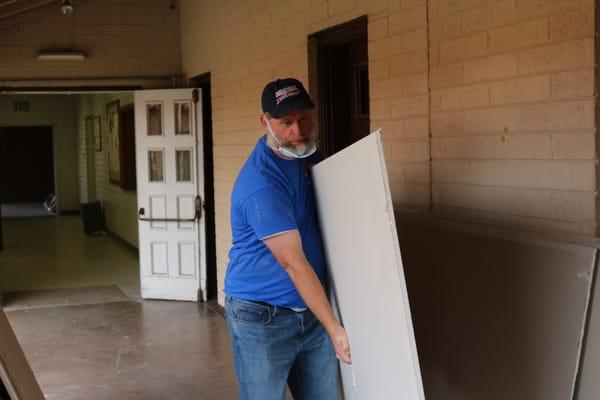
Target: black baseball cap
(283,96)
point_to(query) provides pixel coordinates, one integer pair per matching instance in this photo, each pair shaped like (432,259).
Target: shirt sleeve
(269,212)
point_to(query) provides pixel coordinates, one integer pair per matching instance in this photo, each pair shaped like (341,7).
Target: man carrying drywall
(281,324)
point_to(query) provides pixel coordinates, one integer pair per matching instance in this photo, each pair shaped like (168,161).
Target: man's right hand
(287,249)
(341,345)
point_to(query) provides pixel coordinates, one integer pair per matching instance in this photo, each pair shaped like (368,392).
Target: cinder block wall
(126,38)
(398,79)
(246,44)
(497,96)
(59,113)
(120,206)
(512,112)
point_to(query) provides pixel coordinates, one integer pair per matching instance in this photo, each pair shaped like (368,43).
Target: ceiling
(13,12)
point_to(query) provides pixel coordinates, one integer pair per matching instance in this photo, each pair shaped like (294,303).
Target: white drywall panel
(15,371)
(367,278)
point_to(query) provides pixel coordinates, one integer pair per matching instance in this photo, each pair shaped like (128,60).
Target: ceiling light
(72,55)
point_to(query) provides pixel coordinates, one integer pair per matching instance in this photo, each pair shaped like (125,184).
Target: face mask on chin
(289,152)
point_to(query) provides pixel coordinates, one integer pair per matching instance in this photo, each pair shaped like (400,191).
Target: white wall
(120,206)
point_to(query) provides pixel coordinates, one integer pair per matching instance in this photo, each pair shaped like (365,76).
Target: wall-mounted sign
(21,105)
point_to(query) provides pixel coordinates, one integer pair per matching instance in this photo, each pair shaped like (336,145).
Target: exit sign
(21,105)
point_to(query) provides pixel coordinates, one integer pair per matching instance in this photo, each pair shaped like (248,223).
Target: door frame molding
(203,81)
(319,72)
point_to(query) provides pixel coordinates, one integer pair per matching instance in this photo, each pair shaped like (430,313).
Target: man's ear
(263,122)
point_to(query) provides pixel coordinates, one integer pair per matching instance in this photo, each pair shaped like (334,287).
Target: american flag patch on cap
(286,92)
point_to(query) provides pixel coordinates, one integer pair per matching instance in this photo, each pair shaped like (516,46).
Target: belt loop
(274,311)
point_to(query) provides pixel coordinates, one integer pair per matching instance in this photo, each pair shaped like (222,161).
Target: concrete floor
(127,349)
(131,350)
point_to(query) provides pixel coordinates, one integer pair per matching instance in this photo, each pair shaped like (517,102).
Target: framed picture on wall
(112,133)
(92,131)
(97,133)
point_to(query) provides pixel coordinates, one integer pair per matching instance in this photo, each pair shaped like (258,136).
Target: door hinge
(195,95)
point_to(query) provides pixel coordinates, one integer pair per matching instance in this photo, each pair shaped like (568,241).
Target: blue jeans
(273,345)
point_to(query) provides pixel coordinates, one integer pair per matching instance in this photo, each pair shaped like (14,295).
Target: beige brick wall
(512,112)
(120,206)
(487,106)
(129,38)
(59,113)
(246,44)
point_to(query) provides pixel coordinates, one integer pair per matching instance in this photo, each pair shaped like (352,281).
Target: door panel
(170,188)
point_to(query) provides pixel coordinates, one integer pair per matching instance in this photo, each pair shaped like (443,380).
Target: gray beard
(301,148)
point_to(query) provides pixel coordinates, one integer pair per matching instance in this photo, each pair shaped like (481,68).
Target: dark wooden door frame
(203,82)
(127,150)
(319,59)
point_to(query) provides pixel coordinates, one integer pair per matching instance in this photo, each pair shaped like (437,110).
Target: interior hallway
(101,345)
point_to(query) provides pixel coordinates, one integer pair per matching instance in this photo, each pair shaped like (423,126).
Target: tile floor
(53,253)
(131,349)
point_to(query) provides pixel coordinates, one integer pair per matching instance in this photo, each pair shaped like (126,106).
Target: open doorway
(100,135)
(27,172)
(51,260)
(339,82)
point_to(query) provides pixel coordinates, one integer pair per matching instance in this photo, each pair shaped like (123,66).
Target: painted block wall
(487,106)
(128,38)
(512,112)
(120,206)
(270,41)
(59,113)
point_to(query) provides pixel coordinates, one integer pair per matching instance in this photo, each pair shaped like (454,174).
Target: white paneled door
(170,192)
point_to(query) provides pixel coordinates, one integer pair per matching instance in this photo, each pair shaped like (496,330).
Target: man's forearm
(309,286)
(287,249)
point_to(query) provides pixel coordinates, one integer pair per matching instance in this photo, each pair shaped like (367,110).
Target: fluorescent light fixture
(74,55)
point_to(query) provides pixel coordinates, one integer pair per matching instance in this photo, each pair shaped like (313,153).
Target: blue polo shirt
(271,195)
